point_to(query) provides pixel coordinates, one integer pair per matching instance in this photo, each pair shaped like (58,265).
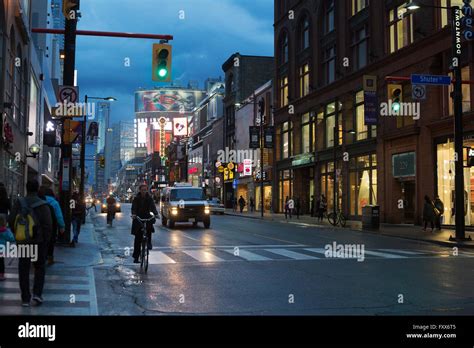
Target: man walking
(38,209)
(241,204)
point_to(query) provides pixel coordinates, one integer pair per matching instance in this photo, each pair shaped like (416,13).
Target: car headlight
(207,210)
(117,205)
(104,206)
(174,211)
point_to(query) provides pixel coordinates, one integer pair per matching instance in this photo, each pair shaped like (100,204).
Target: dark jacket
(142,207)
(428,212)
(439,205)
(5,206)
(43,214)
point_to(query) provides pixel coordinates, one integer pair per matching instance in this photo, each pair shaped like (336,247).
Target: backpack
(26,223)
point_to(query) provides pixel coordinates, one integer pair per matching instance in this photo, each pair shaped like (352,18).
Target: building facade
(322,56)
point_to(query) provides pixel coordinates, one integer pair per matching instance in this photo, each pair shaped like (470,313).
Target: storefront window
(361,129)
(286,187)
(363,183)
(305,134)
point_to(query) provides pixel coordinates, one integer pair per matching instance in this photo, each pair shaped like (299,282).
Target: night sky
(211,31)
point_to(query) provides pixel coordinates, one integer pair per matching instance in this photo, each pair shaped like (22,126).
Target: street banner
(254,137)
(371,109)
(269,132)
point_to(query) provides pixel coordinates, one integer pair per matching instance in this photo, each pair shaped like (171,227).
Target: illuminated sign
(180,126)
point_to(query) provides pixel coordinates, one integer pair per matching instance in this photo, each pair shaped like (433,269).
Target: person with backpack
(6,236)
(47,194)
(31,223)
(77,216)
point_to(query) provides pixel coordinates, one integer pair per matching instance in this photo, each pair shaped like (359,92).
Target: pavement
(399,231)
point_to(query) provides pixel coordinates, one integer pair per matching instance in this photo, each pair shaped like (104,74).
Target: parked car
(103,207)
(216,206)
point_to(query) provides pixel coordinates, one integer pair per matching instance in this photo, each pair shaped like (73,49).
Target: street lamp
(83,143)
(34,149)
(458,124)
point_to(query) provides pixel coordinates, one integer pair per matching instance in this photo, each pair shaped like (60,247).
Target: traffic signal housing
(161,66)
(261,110)
(395,96)
(102,161)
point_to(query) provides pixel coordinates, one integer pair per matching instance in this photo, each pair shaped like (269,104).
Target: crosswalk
(66,292)
(216,254)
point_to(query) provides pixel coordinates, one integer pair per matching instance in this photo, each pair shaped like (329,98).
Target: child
(5,236)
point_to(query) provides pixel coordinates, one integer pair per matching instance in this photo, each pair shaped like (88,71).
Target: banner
(168,100)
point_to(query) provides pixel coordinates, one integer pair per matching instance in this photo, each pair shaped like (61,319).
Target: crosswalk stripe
(52,277)
(384,255)
(247,255)
(291,254)
(47,297)
(202,256)
(159,258)
(401,251)
(47,286)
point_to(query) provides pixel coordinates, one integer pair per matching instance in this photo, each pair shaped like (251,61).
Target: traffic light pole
(66,149)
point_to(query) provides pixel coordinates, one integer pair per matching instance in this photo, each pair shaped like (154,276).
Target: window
(306,141)
(305,34)
(286,139)
(401,28)
(466,92)
(329,17)
(17,79)
(359,5)
(362,131)
(330,64)
(304,80)
(286,187)
(330,124)
(445,13)
(360,48)
(327,184)
(284,49)
(362,183)
(284,91)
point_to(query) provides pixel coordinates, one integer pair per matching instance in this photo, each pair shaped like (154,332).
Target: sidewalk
(400,231)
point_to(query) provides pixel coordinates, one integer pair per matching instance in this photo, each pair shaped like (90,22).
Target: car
(184,203)
(216,206)
(104,205)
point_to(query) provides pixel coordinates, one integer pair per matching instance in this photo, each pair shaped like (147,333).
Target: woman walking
(428,213)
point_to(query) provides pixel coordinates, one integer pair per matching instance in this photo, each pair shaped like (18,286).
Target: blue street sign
(235,183)
(439,80)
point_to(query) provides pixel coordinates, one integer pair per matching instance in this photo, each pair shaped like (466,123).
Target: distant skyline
(209,33)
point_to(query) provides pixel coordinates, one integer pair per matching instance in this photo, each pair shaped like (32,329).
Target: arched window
(304,33)
(284,48)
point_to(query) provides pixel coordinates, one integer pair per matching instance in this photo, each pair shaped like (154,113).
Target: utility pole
(66,149)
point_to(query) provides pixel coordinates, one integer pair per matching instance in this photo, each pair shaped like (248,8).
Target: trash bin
(371,217)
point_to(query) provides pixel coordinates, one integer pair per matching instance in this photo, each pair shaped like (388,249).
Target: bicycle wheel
(342,220)
(142,253)
(332,218)
(146,259)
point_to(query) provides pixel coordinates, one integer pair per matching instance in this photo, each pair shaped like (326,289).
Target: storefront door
(409,202)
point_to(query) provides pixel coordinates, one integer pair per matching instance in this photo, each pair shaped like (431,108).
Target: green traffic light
(162,72)
(396,107)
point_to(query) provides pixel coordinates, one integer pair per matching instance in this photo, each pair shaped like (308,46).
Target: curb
(437,242)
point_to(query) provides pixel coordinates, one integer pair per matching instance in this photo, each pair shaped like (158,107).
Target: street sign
(235,183)
(68,94)
(370,83)
(438,80)
(418,92)
(247,167)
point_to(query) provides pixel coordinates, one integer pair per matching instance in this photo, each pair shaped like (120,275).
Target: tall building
(127,139)
(102,118)
(321,57)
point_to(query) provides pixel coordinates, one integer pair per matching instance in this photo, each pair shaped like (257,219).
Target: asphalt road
(250,267)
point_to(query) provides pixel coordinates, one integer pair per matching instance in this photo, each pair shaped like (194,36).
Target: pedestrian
(47,194)
(142,206)
(439,212)
(290,205)
(242,204)
(428,213)
(6,236)
(5,206)
(323,204)
(286,206)
(298,207)
(77,216)
(32,206)
(252,205)
(312,206)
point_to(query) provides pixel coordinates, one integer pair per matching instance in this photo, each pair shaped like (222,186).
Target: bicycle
(337,219)
(144,252)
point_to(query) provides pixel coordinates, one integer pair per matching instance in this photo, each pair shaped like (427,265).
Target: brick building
(323,49)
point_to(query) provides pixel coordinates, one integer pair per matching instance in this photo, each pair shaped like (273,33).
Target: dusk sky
(211,31)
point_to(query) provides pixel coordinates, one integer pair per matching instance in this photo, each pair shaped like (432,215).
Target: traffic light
(395,94)
(161,63)
(102,161)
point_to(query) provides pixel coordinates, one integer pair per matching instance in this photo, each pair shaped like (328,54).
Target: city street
(278,271)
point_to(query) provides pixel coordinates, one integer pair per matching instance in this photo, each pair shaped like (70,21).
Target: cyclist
(142,206)
(111,208)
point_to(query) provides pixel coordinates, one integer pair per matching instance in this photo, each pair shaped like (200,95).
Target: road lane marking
(185,235)
(247,255)
(291,254)
(159,257)
(384,255)
(202,256)
(401,251)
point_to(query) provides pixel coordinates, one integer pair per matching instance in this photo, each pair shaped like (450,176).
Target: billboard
(180,126)
(168,100)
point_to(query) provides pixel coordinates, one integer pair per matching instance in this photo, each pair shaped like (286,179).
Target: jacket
(141,207)
(57,211)
(5,207)
(6,236)
(43,214)
(428,212)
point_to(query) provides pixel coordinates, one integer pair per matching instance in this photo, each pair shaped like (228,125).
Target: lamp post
(458,124)
(83,144)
